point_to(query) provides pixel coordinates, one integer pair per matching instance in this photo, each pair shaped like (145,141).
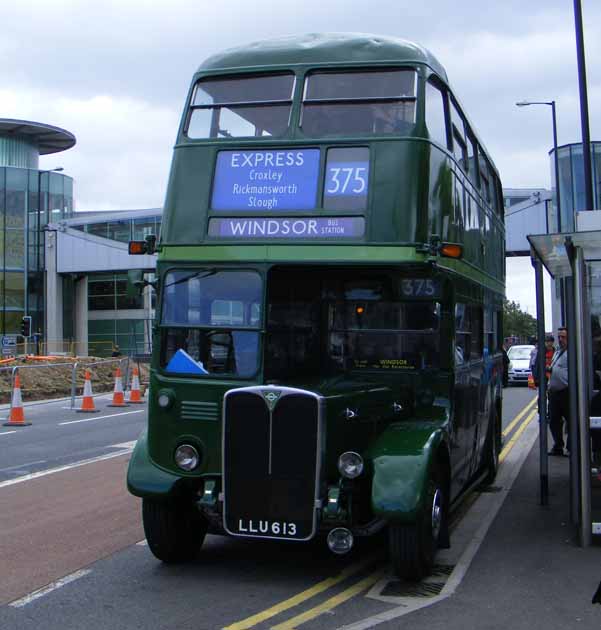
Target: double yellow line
(530,407)
(358,567)
(320,587)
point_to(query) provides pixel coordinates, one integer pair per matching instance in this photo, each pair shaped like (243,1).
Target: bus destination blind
(260,181)
(313,228)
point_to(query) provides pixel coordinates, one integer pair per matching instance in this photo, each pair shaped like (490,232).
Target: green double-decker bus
(327,352)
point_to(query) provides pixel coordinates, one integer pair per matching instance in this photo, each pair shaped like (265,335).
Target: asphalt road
(59,435)
(73,534)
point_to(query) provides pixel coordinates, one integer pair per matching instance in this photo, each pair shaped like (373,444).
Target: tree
(517,323)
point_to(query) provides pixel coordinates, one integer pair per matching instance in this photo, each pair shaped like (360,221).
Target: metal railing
(71,372)
(86,366)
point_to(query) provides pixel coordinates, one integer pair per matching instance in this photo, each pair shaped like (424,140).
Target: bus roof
(323,48)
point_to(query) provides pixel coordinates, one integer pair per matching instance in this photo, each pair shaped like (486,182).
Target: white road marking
(128,445)
(111,415)
(19,603)
(84,462)
(40,461)
(7,432)
(142,543)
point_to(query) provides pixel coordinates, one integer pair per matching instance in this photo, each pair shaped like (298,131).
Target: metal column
(542,381)
(583,435)
(573,394)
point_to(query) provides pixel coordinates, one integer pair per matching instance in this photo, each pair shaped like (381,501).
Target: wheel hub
(436,514)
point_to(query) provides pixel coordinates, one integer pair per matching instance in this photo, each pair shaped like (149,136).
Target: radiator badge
(271,397)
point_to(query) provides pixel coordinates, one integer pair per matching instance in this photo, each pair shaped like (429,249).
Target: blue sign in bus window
(266,181)
(347,179)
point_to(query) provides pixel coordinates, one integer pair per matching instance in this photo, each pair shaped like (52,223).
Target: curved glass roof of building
(47,138)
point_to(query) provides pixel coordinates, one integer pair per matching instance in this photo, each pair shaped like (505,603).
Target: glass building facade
(123,230)
(572,197)
(29,200)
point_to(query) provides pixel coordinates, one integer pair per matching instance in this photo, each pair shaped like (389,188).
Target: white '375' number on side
(346,180)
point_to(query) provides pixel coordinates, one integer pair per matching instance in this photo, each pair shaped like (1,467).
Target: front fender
(402,458)
(144,478)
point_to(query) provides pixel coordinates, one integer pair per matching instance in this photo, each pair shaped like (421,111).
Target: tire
(174,531)
(413,546)
(491,452)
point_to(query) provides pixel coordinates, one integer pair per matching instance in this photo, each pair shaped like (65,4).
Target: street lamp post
(555,155)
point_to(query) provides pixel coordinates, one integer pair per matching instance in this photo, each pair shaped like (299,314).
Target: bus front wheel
(413,546)
(174,531)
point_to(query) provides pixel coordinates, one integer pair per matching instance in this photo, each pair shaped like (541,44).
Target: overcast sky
(116,73)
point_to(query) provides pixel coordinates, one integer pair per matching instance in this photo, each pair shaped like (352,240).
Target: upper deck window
(240,107)
(372,102)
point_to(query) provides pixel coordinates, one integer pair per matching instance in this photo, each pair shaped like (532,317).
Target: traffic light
(26,326)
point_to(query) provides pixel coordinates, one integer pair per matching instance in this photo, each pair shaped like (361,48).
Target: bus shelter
(574,259)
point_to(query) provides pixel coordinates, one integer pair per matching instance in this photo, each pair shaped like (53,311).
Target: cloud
(116,73)
(123,150)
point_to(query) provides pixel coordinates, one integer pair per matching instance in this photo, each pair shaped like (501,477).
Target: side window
(485,180)
(489,337)
(476,325)
(435,114)
(459,140)
(462,333)
(472,153)
(498,330)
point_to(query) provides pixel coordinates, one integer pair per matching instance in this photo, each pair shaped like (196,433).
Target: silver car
(519,364)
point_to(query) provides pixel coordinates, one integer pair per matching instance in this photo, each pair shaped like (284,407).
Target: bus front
(303,351)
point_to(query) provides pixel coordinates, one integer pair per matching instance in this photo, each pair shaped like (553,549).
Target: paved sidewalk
(529,572)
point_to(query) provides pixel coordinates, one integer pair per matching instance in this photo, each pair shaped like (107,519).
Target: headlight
(165,398)
(350,465)
(187,457)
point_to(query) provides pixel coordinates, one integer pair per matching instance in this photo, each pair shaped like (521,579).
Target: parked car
(519,364)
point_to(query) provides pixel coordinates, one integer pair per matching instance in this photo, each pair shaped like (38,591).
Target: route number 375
(346,180)
(419,287)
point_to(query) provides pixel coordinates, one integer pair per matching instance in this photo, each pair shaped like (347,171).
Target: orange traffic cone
(118,397)
(87,404)
(17,417)
(135,395)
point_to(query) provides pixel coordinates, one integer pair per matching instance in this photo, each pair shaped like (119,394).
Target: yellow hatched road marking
(320,587)
(522,413)
(331,603)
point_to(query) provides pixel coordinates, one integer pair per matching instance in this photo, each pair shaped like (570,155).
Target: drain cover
(428,587)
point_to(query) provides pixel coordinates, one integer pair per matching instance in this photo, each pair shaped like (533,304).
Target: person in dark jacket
(559,397)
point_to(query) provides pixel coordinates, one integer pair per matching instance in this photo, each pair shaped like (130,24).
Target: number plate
(258,527)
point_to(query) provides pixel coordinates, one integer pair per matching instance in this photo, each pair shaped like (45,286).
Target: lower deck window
(198,352)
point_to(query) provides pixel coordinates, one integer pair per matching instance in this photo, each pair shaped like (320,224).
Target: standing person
(549,352)
(559,397)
